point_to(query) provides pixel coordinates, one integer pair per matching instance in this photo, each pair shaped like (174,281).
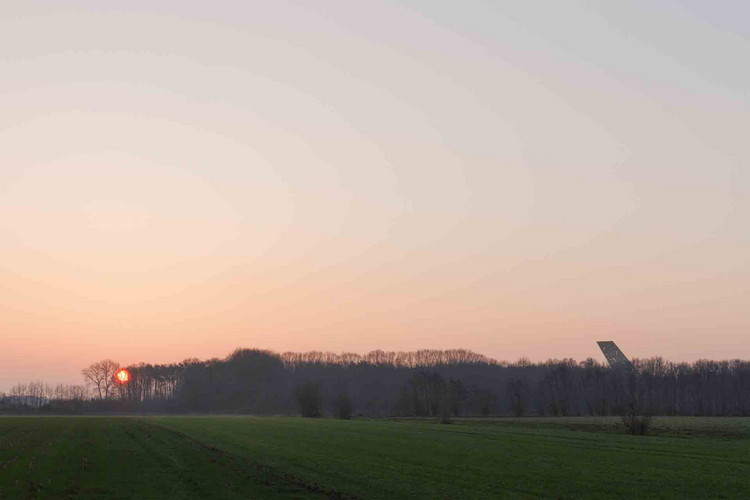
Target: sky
(182,178)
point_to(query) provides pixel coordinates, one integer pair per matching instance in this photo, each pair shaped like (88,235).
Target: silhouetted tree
(101,375)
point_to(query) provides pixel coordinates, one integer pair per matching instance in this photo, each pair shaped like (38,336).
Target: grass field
(279,457)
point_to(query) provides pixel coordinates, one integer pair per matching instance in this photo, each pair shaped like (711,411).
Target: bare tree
(101,375)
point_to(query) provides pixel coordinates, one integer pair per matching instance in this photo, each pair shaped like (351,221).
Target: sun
(122,376)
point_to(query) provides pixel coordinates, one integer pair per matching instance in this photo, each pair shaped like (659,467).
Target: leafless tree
(101,375)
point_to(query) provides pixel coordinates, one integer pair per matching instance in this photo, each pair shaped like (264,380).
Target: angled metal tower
(616,359)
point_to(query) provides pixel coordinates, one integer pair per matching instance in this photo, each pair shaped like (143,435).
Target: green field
(282,457)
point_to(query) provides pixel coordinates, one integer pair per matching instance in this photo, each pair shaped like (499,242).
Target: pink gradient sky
(515,178)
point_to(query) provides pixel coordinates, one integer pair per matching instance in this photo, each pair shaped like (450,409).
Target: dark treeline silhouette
(422,383)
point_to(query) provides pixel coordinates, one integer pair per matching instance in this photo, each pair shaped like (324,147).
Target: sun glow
(122,376)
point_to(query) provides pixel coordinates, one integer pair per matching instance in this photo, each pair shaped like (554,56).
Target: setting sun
(122,376)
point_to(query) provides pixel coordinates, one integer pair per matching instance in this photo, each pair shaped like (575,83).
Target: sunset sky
(181,178)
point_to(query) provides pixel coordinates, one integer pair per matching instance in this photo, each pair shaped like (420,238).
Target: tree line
(37,395)
(427,383)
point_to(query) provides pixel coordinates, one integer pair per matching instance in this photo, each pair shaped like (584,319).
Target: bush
(635,424)
(308,399)
(343,406)
(445,418)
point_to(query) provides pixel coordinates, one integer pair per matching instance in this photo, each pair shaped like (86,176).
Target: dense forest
(423,383)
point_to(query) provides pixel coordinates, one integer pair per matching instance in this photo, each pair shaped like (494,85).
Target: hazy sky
(180,178)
